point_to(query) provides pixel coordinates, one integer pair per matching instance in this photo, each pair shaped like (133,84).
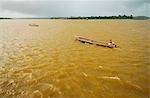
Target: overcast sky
(60,8)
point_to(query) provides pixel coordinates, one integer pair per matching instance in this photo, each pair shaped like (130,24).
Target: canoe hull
(98,43)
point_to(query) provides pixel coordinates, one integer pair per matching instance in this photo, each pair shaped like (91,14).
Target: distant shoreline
(90,18)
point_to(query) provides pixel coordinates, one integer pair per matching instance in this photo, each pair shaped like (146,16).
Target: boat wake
(112,78)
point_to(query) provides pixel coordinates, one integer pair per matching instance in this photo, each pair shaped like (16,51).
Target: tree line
(4,18)
(89,17)
(97,17)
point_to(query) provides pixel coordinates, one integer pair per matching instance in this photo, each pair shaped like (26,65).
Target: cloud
(14,14)
(135,3)
(48,8)
(40,8)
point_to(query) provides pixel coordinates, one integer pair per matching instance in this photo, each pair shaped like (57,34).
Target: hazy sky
(50,8)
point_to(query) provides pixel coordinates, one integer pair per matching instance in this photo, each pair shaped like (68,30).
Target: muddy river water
(46,61)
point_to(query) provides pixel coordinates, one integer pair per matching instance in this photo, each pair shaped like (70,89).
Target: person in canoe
(112,43)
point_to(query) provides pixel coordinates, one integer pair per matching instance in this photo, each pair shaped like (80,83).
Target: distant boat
(35,25)
(98,43)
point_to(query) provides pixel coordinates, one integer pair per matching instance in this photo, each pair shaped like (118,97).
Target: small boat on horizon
(98,43)
(35,25)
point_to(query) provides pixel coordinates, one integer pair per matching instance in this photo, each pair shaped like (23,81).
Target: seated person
(111,42)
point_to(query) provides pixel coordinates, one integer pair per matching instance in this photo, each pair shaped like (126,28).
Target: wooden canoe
(34,25)
(98,43)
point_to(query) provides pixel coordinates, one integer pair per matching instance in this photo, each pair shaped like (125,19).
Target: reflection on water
(46,61)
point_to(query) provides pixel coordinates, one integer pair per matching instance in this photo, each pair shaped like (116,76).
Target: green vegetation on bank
(4,18)
(90,17)
(97,17)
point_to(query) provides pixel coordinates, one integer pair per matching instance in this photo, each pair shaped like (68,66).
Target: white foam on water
(37,93)
(84,74)
(101,67)
(113,78)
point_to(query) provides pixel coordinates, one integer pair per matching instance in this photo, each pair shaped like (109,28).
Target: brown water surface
(46,61)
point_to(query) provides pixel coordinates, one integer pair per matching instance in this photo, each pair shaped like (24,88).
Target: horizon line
(68,16)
